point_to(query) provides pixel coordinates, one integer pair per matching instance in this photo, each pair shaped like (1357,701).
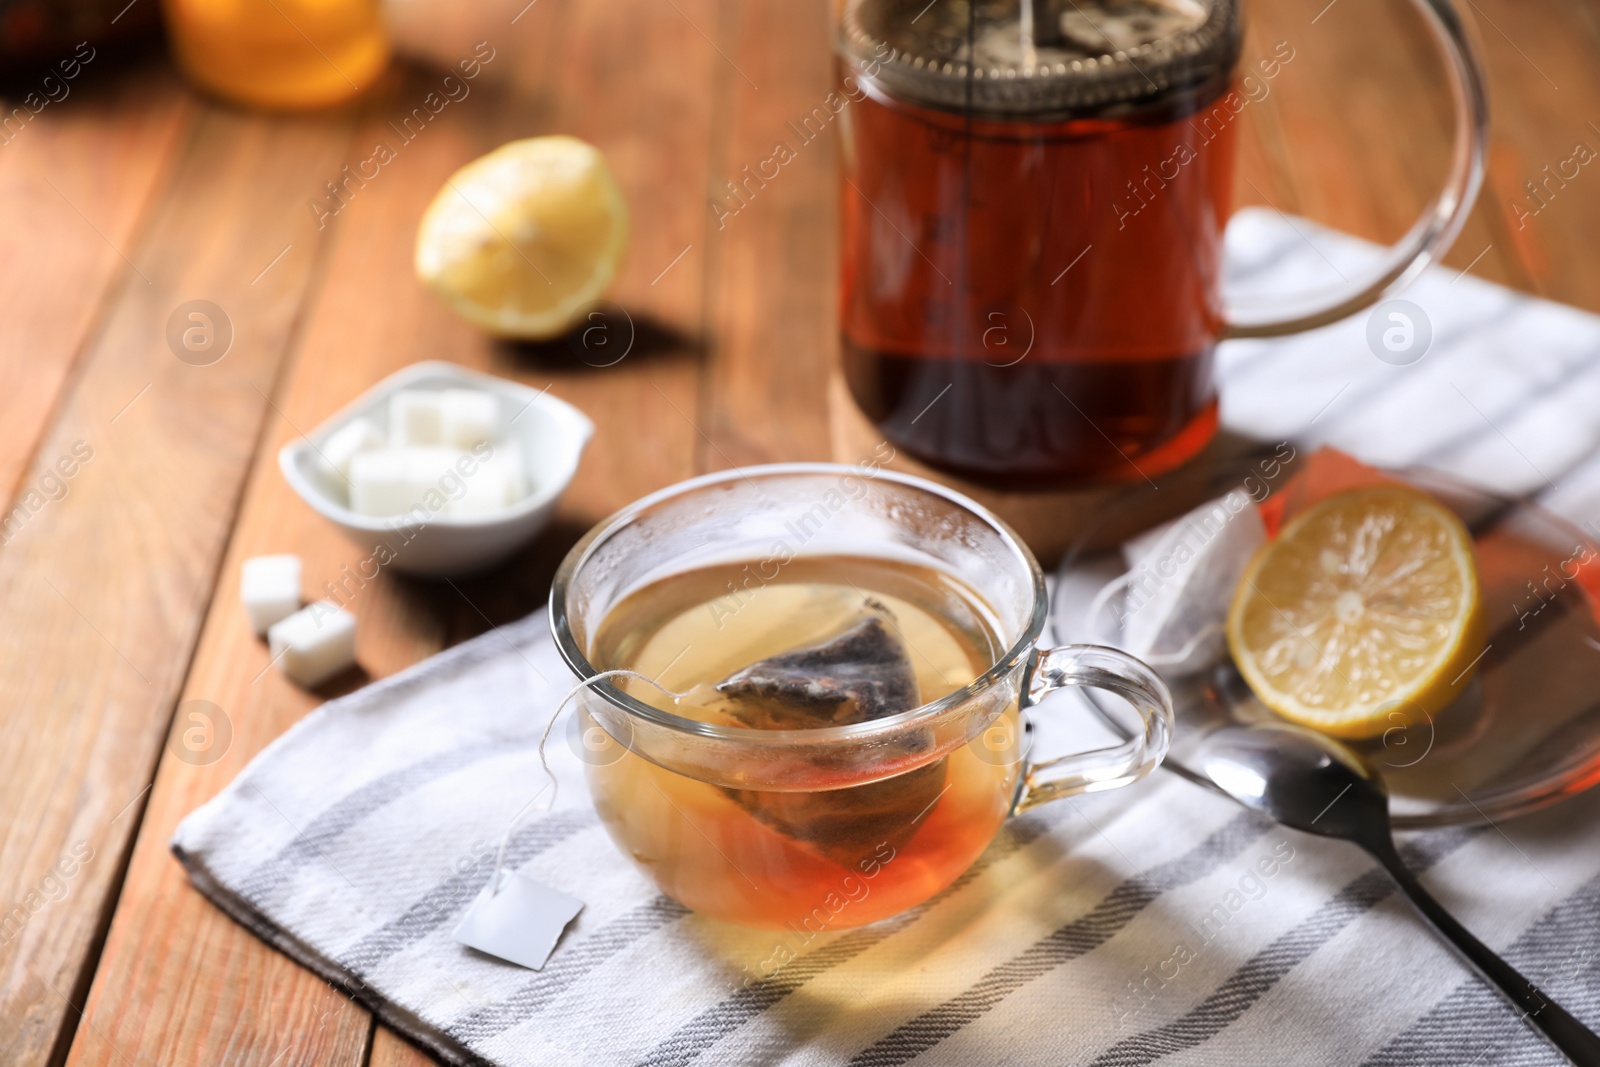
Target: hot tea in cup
(832,641)
(826,728)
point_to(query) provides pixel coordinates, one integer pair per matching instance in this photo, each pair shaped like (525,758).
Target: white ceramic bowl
(550,433)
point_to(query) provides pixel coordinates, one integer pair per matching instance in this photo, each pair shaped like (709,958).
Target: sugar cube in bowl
(462,491)
(356,436)
(467,416)
(414,417)
(394,481)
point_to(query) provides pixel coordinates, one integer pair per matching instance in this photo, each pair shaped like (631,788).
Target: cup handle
(1098,667)
(1432,233)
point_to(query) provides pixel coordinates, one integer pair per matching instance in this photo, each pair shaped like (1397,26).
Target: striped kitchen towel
(1472,378)
(1158,923)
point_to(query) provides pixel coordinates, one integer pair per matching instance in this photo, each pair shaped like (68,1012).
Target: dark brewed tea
(1033,203)
(832,641)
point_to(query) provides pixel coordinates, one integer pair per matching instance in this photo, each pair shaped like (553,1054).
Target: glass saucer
(1523,735)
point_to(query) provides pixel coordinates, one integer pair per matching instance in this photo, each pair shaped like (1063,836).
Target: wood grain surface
(116,574)
(134,195)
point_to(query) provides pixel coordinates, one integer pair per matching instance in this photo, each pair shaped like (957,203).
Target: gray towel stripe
(715,1023)
(1472,1026)
(566,967)
(1538,392)
(350,809)
(447,900)
(1266,968)
(1476,1024)
(1066,943)
(1270,354)
(1389,386)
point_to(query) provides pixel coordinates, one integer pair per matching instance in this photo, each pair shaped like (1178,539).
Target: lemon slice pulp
(525,239)
(1362,615)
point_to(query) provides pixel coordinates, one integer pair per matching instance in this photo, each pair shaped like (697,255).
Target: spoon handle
(1579,1043)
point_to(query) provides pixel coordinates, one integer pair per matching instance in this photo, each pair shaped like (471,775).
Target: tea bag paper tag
(519,924)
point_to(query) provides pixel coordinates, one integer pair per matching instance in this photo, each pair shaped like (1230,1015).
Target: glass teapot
(1033,200)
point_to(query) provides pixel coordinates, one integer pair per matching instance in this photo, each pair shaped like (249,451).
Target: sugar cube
(434,475)
(314,644)
(496,484)
(414,417)
(357,435)
(466,416)
(392,481)
(378,483)
(485,494)
(509,456)
(269,586)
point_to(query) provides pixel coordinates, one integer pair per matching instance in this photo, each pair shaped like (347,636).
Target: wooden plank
(1359,126)
(1365,152)
(391,1050)
(75,182)
(113,578)
(179,982)
(1546,100)
(774,243)
(637,81)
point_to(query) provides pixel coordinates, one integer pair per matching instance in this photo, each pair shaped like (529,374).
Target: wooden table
(120,584)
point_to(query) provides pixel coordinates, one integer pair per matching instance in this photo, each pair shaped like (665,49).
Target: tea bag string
(544,761)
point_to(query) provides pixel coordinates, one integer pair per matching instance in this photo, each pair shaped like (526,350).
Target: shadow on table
(345,682)
(471,605)
(606,337)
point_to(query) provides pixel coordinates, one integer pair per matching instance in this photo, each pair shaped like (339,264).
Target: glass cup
(286,54)
(665,784)
(1033,199)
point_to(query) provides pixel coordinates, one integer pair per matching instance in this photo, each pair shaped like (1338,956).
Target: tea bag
(1173,601)
(864,673)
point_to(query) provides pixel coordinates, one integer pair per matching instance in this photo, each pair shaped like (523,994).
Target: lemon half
(525,239)
(1363,615)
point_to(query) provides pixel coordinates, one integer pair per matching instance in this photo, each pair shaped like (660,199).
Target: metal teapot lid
(1034,57)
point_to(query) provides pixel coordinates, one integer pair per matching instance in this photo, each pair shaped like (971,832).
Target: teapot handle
(1432,233)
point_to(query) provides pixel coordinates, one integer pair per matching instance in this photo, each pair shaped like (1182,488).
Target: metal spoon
(1309,782)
